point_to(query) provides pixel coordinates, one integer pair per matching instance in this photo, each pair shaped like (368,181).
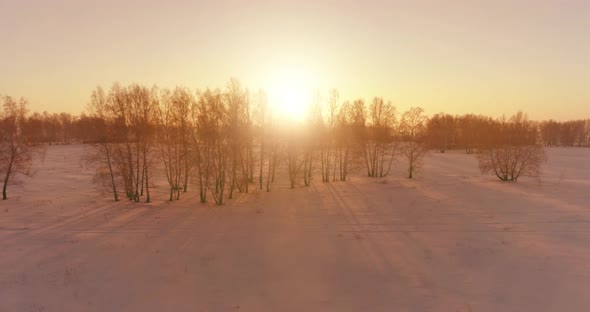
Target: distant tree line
(62,128)
(568,133)
(223,141)
(472,132)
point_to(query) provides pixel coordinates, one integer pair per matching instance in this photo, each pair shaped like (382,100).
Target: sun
(289,94)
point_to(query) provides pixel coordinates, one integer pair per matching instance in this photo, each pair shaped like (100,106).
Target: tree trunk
(186,165)
(274,165)
(112,174)
(268,177)
(261,165)
(147,186)
(5,185)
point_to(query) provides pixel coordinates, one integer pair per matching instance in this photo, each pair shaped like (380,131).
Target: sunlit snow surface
(449,240)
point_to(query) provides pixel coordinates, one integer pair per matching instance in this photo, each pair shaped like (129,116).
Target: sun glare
(289,94)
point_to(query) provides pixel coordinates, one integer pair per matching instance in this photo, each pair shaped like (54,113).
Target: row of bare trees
(221,138)
(224,141)
(205,138)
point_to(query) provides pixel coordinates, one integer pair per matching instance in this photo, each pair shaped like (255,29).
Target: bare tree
(123,152)
(142,113)
(104,144)
(326,132)
(203,140)
(239,134)
(295,160)
(414,147)
(262,105)
(272,146)
(515,151)
(16,150)
(383,118)
(343,141)
(223,151)
(167,134)
(357,111)
(183,101)
(215,145)
(174,130)
(132,110)
(311,137)
(414,151)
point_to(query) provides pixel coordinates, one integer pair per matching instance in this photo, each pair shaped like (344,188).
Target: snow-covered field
(450,240)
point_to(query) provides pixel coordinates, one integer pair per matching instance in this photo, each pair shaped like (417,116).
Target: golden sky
(489,57)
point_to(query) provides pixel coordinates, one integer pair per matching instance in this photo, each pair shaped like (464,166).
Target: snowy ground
(451,240)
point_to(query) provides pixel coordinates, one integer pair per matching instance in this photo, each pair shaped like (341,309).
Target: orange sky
(488,57)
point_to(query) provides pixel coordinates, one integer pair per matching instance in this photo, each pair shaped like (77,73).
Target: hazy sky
(489,57)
